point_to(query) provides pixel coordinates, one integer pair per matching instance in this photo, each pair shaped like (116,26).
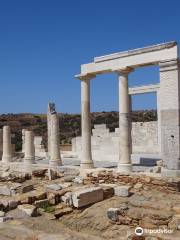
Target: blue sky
(43,43)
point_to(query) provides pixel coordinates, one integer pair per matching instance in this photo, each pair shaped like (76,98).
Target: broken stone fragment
(39,173)
(138,185)
(26,188)
(78,180)
(2,214)
(113,213)
(87,196)
(53,198)
(60,212)
(122,191)
(5,219)
(67,199)
(5,190)
(175,222)
(30,210)
(69,178)
(54,187)
(41,203)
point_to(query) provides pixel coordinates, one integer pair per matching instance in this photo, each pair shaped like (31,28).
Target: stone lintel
(144,89)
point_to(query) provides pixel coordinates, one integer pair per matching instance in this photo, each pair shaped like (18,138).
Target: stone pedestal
(124,164)
(7,147)
(29,157)
(86,157)
(55,157)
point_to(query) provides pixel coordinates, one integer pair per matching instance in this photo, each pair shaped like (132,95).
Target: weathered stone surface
(5,219)
(60,212)
(31,197)
(2,214)
(122,191)
(54,187)
(41,203)
(12,204)
(138,185)
(78,180)
(26,188)
(113,213)
(5,190)
(67,198)
(87,196)
(69,178)
(53,198)
(175,222)
(108,191)
(30,210)
(39,173)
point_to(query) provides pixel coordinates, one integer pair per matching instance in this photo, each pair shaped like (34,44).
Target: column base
(29,160)
(55,163)
(124,167)
(6,159)
(87,165)
(170,173)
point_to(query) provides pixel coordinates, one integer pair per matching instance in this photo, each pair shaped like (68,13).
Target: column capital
(85,77)
(124,71)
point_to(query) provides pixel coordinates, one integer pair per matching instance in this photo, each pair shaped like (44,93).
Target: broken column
(29,156)
(54,139)
(51,110)
(23,139)
(7,147)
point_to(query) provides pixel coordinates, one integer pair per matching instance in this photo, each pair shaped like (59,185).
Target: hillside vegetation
(70,124)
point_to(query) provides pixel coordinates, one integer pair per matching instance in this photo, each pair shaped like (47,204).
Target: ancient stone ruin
(100,189)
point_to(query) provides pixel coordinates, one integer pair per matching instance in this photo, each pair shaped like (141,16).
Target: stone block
(26,188)
(54,187)
(113,213)
(60,212)
(2,214)
(5,190)
(30,210)
(122,191)
(5,219)
(87,196)
(41,203)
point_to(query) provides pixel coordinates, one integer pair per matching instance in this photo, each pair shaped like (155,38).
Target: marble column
(23,139)
(29,156)
(7,146)
(124,164)
(55,157)
(86,155)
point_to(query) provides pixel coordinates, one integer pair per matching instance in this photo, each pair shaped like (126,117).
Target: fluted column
(7,147)
(86,155)
(55,157)
(29,156)
(124,164)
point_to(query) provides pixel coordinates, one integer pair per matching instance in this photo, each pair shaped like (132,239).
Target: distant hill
(70,124)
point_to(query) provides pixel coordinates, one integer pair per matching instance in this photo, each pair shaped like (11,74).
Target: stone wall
(1,143)
(105,144)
